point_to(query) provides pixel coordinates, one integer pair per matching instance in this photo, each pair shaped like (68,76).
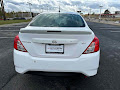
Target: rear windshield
(58,20)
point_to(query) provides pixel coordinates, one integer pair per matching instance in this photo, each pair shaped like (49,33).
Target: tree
(0,14)
(2,9)
(107,12)
(93,13)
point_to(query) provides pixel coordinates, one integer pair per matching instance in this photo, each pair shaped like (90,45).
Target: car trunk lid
(69,42)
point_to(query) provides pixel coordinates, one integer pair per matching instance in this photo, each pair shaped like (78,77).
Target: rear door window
(58,20)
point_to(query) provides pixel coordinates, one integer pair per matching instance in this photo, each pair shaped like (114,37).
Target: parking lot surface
(108,77)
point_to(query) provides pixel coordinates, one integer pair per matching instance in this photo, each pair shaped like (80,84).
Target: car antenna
(59,6)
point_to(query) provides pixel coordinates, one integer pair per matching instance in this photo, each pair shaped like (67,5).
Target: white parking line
(6,37)
(115,31)
(9,30)
(110,28)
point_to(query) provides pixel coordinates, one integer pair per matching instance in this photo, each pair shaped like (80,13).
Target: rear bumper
(86,64)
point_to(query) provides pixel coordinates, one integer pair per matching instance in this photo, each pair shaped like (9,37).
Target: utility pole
(22,15)
(90,15)
(42,9)
(100,13)
(47,8)
(2,9)
(30,8)
(39,6)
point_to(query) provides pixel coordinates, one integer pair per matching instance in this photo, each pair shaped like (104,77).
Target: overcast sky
(66,5)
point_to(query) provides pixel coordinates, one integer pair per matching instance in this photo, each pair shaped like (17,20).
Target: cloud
(66,5)
(116,5)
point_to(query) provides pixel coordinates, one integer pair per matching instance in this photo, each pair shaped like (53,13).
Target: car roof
(61,13)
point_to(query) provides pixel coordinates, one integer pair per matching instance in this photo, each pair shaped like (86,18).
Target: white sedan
(57,42)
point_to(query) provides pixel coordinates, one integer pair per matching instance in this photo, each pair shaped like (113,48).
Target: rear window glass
(58,20)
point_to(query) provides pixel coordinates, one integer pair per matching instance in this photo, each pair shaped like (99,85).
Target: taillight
(93,47)
(18,45)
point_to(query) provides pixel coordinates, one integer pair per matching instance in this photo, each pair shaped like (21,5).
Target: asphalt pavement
(108,77)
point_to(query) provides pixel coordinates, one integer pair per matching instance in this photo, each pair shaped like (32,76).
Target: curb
(105,23)
(6,25)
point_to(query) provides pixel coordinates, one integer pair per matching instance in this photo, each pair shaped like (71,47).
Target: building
(108,15)
(117,12)
(116,15)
